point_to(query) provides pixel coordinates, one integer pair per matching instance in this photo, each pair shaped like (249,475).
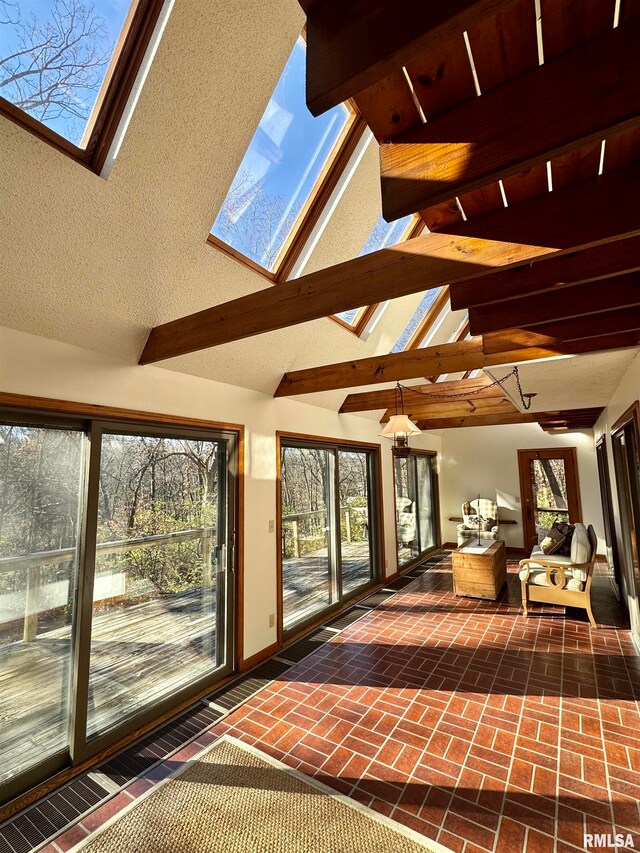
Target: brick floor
(464,720)
(459,718)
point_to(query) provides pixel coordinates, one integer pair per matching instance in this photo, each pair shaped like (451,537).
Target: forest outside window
(67,68)
(329,517)
(286,175)
(116,582)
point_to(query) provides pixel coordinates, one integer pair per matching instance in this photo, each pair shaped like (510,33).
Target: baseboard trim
(258,658)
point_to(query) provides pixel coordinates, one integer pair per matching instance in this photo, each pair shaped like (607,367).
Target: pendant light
(400,428)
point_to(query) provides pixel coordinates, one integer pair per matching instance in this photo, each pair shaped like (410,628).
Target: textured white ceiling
(578,382)
(97,263)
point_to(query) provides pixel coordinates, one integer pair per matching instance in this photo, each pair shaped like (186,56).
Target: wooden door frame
(570,456)
(630,417)
(375,449)
(406,567)
(606,499)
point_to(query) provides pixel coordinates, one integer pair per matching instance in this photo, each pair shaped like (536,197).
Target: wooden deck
(306,583)
(140,651)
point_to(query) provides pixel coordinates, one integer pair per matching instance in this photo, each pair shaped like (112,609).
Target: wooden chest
(480,575)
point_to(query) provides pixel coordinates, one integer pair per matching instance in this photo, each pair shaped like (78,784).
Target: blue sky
(113,13)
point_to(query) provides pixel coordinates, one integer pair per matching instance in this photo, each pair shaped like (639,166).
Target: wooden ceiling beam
(369,401)
(570,329)
(351,46)
(538,276)
(475,420)
(577,300)
(541,114)
(446,358)
(562,221)
(454,408)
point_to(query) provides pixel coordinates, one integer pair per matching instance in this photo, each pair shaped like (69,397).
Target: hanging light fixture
(400,428)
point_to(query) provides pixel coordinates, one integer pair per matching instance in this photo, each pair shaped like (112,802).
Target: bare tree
(254,220)
(56,64)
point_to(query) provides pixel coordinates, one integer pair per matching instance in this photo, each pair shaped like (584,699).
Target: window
(329,522)
(384,234)
(116,581)
(417,506)
(283,172)
(67,68)
(420,322)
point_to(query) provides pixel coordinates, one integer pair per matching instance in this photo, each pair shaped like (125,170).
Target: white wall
(40,367)
(485,459)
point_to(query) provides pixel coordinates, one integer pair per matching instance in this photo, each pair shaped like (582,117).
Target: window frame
(312,209)
(93,420)
(378,552)
(414,229)
(410,564)
(116,88)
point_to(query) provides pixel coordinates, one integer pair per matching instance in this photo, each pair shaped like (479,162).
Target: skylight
(384,234)
(57,57)
(281,170)
(416,320)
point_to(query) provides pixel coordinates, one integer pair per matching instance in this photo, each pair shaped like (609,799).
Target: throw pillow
(542,534)
(489,523)
(564,529)
(552,542)
(466,508)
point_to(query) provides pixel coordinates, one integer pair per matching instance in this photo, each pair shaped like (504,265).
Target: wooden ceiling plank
(442,78)
(368,401)
(388,107)
(563,221)
(573,22)
(454,408)
(578,300)
(440,217)
(351,46)
(475,421)
(505,45)
(446,358)
(566,330)
(609,259)
(493,136)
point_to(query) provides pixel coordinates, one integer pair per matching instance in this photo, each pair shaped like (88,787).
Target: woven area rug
(232,798)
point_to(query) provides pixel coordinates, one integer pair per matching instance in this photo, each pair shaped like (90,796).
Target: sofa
(562,579)
(489,527)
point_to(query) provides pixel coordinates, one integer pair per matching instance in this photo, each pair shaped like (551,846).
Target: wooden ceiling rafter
(445,358)
(565,221)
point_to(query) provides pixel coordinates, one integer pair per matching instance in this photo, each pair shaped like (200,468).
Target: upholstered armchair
(488,526)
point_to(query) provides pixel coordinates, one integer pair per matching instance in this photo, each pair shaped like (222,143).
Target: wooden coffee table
(480,575)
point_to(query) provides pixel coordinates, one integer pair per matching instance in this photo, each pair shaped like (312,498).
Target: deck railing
(35,562)
(294,519)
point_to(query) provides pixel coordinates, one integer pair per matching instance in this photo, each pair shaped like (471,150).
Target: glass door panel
(427,503)
(549,487)
(406,510)
(308,575)
(355,520)
(41,477)
(160,584)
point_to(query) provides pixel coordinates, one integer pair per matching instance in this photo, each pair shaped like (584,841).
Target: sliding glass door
(417,509)
(116,583)
(329,523)
(41,496)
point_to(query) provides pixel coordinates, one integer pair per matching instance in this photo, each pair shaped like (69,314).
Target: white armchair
(487,524)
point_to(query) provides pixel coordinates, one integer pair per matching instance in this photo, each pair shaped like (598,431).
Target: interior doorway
(549,489)
(626,458)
